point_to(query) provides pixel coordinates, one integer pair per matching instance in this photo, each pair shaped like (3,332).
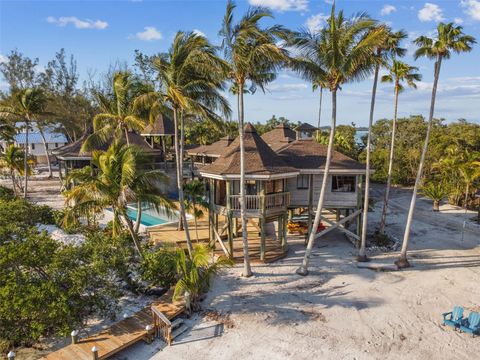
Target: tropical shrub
(435,191)
(6,193)
(159,267)
(196,274)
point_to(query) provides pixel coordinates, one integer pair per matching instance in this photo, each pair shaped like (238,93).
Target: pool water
(146,219)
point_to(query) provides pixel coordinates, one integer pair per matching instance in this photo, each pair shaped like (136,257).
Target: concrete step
(176,323)
(179,330)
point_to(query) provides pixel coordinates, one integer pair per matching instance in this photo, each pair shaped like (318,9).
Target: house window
(33,146)
(302,181)
(56,145)
(343,183)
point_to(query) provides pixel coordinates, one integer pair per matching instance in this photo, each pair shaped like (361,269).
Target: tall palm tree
(320,84)
(448,38)
(118,112)
(25,105)
(470,171)
(119,176)
(254,59)
(7,132)
(387,47)
(191,78)
(399,72)
(340,53)
(12,161)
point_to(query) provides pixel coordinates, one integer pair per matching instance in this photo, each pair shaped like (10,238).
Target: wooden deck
(120,335)
(170,234)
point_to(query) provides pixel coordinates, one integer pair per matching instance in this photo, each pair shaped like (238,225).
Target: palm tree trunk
(466,196)
(12,177)
(247,271)
(127,138)
(139,216)
(25,159)
(402,262)
(46,151)
(179,159)
(362,256)
(319,112)
(303,269)
(383,220)
(133,234)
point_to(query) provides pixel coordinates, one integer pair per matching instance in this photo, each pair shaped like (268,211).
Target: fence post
(74,335)
(94,353)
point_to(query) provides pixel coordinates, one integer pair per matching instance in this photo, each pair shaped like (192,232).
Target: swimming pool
(151,217)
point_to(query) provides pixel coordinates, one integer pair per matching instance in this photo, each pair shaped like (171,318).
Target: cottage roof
(308,154)
(279,136)
(305,127)
(260,159)
(73,150)
(162,125)
(215,150)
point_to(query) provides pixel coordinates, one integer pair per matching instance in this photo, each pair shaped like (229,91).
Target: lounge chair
(471,325)
(453,318)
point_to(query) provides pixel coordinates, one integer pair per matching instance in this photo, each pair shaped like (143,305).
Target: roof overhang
(336,171)
(249,177)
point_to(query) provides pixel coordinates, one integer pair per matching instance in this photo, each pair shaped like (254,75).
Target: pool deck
(169,234)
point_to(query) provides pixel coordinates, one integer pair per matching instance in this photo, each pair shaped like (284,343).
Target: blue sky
(99,33)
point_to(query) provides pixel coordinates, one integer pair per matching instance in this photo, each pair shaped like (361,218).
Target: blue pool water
(146,219)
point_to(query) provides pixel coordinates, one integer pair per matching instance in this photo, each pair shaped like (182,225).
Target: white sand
(340,311)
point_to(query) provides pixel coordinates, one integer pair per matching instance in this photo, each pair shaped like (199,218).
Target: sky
(100,33)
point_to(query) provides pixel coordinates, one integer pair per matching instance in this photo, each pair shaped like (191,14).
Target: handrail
(253,202)
(162,326)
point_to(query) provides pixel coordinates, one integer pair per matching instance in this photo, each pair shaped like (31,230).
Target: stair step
(179,330)
(176,323)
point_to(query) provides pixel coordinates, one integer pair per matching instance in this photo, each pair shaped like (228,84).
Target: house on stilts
(284,172)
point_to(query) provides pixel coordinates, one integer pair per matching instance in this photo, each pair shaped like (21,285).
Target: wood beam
(336,224)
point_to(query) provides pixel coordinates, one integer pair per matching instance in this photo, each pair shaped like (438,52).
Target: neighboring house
(36,147)
(284,173)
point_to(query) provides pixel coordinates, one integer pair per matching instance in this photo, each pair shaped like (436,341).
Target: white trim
(73,158)
(249,177)
(335,171)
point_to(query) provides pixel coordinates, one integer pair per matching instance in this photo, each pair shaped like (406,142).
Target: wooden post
(359,206)
(74,335)
(211,236)
(229,218)
(262,220)
(94,353)
(284,235)
(310,203)
(280,228)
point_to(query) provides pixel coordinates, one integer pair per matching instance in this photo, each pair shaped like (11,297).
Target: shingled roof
(305,127)
(215,150)
(308,154)
(279,136)
(162,125)
(73,151)
(260,159)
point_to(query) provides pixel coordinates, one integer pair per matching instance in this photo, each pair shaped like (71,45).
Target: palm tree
(191,77)
(119,114)
(449,37)
(470,171)
(119,176)
(12,161)
(399,72)
(388,47)
(435,191)
(320,84)
(253,58)
(340,53)
(196,274)
(26,105)
(195,200)
(7,132)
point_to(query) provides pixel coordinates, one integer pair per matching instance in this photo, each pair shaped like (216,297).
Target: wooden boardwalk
(118,336)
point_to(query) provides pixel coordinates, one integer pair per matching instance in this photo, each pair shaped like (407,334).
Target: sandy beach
(340,311)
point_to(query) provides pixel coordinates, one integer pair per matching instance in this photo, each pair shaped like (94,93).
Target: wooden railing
(162,326)
(254,202)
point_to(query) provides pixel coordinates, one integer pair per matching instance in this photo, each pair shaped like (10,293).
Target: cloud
(198,32)
(315,22)
(3,58)
(472,8)
(431,12)
(282,5)
(79,24)
(387,10)
(281,88)
(458,21)
(150,33)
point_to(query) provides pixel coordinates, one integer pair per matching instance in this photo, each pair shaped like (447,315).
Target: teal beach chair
(471,325)
(453,318)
